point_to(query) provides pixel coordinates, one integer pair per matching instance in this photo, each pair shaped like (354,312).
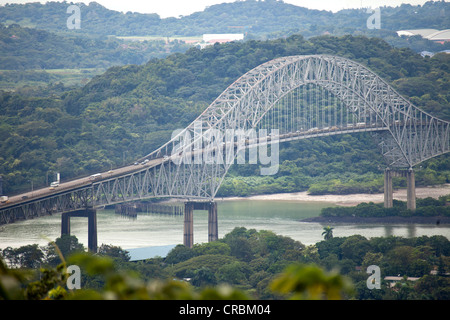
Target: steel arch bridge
(288,98)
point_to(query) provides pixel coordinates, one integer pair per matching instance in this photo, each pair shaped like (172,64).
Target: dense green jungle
(244,264)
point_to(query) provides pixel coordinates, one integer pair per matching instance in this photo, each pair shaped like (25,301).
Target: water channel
(153,230)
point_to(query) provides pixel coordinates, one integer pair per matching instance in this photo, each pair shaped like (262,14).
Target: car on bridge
(95,176)
(54,184)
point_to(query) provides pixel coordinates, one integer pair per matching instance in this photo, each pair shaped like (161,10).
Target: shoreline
(438,220)
(347,199)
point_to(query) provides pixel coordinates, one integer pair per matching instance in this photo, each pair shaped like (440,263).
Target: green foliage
(122,285)
(33,49)
(327,232)
(64,246)
(427,207)
(269,267)
(257,19)
(311,283)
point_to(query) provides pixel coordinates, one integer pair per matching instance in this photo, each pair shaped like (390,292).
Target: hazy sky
(175,8)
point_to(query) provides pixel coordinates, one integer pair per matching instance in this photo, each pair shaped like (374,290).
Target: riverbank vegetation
(427,207)
(252,264)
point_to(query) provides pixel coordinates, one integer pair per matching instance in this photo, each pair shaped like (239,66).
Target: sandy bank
(347,200)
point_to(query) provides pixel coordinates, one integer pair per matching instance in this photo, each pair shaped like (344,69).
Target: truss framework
(405,134)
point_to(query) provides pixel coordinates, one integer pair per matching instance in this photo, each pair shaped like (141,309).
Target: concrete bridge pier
(388,191)
(91,214)
(410,191)
(189,207)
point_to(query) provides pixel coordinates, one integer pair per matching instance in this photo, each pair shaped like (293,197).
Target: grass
(159,38)
(13,79)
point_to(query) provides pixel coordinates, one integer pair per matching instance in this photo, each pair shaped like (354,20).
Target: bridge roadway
(138,166)
(75,184)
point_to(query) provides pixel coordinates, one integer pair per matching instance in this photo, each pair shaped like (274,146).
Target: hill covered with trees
(130,110)
(24,48)
(260,18)
(36,42)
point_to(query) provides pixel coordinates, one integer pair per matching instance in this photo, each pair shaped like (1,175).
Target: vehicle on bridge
(96,176)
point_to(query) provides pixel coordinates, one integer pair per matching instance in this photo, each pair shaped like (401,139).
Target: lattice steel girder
(413,135)
(406,135)
(57,203)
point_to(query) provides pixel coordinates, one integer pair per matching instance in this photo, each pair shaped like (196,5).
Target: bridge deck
(72,185)
(84,182)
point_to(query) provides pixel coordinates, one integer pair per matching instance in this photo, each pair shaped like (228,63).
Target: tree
(30,256)
(179,254)
(327,233)
(311,283)
(61,248)
(399,259)
(114,252)
(214,247)
(355,248)
(232,273)
(204,277)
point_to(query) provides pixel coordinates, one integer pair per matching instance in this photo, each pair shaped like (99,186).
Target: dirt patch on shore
(349,199)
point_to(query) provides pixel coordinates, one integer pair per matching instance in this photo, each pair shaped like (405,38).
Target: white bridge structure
(285,99)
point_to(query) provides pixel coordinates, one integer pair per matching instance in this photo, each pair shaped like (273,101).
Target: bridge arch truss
(300,97)
(307,96)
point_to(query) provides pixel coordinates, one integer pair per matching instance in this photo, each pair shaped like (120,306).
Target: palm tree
(327,233)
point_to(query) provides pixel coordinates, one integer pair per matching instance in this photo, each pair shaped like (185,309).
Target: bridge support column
(189,207)
(188,238)
(65,223)
(92,230)
(388,190)
(91,214)
(411,190)
(213,229)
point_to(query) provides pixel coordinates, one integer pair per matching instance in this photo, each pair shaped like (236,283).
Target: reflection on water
(281,217)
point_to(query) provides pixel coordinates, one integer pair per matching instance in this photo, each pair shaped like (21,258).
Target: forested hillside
(33,57)
(27,48)
(36,42)
(260,17)
(129,111)
(255,264)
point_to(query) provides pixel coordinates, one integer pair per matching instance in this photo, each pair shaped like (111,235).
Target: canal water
(157,230)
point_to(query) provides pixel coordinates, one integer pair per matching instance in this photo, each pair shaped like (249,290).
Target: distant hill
(28,48)
(257,17)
